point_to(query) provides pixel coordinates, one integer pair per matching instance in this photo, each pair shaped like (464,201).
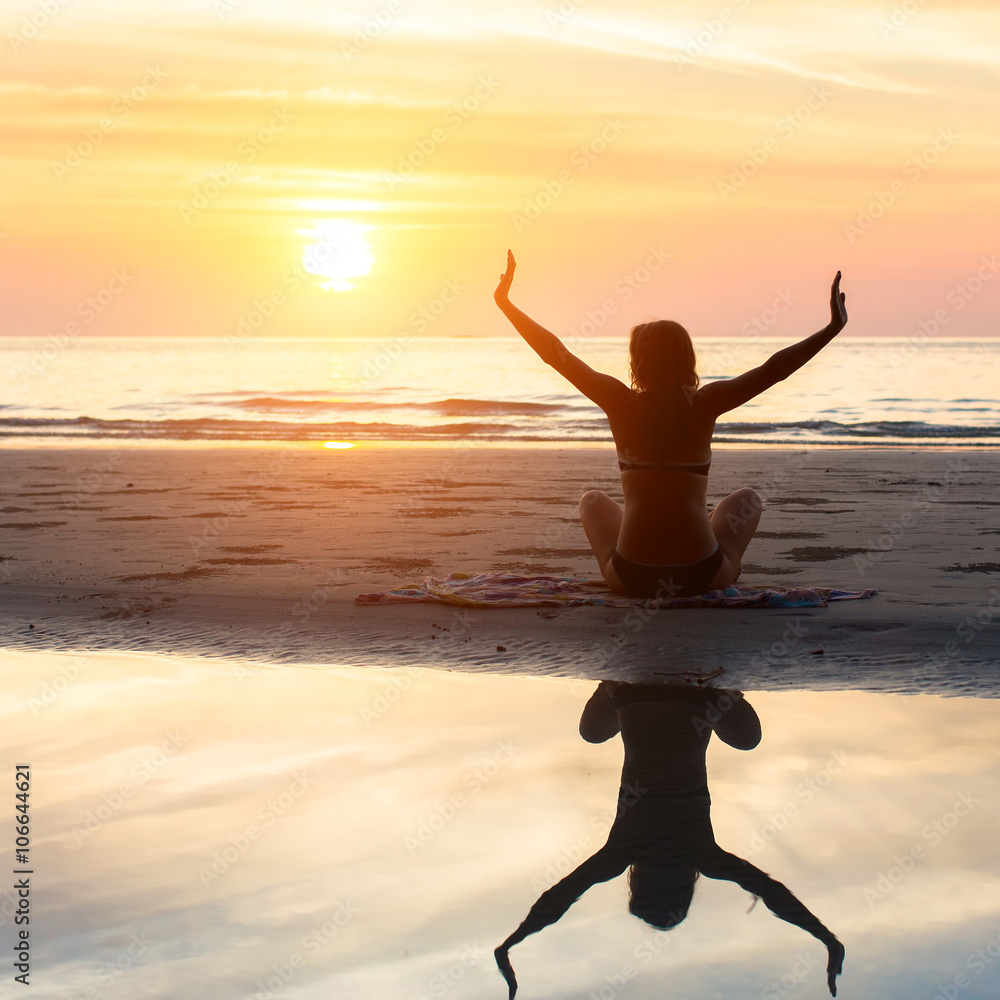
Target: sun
(340,251)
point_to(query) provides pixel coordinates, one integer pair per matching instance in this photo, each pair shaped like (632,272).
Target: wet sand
(197,829)
(259,554)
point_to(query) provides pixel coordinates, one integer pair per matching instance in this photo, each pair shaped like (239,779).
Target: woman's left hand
(835,965)
(506,969)
(502,295)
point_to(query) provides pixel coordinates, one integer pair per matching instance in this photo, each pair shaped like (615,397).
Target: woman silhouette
(662,831)
(663,543)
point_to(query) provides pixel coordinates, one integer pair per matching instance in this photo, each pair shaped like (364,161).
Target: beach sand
(258,553)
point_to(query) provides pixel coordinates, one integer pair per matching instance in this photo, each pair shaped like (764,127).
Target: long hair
(661,894)
(661,358)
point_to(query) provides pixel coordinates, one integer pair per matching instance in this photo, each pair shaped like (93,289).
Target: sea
(890,392)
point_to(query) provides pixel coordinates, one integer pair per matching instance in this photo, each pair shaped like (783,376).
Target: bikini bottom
(670,580)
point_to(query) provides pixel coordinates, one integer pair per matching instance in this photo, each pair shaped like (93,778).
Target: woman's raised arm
(603,389)
(779,900)
(553,903)
(730,393)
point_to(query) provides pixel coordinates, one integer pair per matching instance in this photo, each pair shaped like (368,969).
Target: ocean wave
(905,429)
(446,407)
(474,406)
(575,428)
(216,429)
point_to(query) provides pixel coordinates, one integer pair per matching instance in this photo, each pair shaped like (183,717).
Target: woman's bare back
(665,519)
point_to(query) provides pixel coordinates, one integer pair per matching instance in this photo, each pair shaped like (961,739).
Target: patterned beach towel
(508,590)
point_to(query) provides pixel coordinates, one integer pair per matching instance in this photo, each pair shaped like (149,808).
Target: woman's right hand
(838,308)
(502,295)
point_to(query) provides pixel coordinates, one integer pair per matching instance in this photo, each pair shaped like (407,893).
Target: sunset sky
(174,163)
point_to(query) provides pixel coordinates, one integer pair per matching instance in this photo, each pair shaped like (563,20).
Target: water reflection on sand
(204,828)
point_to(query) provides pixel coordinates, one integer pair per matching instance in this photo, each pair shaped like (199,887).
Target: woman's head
(660,894)
(661,357)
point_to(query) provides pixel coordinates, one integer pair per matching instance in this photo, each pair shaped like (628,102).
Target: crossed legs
(733,521)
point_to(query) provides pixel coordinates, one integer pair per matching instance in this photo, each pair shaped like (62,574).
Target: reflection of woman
(662,832)
(663,543)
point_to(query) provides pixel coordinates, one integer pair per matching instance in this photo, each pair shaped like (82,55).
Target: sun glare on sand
(340,251)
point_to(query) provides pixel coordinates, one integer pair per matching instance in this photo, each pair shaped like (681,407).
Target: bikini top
(699,468)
